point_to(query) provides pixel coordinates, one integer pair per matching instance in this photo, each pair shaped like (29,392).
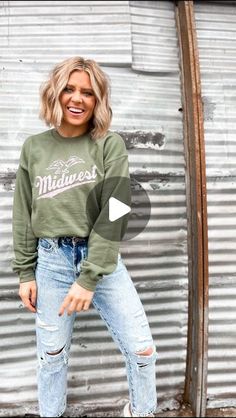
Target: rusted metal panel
(216,33)
(196,378)
(147,113)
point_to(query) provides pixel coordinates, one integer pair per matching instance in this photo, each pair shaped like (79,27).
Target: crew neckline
(59,137)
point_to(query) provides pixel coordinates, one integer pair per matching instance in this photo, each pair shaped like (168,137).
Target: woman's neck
(71,131)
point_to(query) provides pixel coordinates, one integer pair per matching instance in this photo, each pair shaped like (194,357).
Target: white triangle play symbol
(117,209)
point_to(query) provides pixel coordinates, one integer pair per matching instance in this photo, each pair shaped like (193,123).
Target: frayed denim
(118,304)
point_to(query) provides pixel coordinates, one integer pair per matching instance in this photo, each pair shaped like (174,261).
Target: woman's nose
(77,97)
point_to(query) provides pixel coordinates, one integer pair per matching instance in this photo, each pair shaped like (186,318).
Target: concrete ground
(73,411)
(185,411)
(221,412)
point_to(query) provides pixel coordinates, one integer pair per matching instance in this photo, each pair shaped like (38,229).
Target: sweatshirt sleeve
(103,253)
(24,241)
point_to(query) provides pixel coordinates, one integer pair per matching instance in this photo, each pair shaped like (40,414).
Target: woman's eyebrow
(82,88)
(87,89)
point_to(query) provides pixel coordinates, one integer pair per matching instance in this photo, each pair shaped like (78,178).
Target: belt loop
(56,242)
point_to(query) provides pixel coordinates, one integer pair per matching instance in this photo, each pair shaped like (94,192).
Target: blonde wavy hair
(50,91)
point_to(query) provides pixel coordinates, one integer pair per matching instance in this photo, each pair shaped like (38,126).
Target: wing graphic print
(73,160)
(61,166)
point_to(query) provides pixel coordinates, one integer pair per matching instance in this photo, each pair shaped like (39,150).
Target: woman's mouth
(75,110)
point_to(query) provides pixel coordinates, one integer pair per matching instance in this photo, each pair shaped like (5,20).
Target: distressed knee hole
(56,352)
(148,352)
(147,355)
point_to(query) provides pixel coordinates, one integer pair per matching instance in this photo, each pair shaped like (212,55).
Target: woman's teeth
(75,110)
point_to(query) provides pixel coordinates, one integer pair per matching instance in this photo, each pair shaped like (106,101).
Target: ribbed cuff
(87,282)
(26,276)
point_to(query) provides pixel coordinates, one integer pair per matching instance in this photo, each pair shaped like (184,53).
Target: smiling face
(77,102)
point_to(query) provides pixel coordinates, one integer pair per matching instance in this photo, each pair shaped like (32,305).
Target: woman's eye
(67,90)
(71,90)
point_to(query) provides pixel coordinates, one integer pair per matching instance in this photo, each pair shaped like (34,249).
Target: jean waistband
(72,240)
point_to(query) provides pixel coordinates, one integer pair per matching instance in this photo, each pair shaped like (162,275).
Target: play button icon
(117,209)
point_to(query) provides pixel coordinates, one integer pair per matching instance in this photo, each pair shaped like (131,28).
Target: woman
(65,254)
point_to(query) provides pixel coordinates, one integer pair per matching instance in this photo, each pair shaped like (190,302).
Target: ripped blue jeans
(118,304)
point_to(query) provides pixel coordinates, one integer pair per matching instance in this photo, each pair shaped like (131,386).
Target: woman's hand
(28,294)
(77,299)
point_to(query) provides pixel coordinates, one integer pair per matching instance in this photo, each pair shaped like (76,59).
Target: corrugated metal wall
(129,40)
(216,32)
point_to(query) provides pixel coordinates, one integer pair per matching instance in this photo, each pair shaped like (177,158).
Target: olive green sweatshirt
(54,179)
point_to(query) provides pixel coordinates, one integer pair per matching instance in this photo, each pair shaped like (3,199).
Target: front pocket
(46,245)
